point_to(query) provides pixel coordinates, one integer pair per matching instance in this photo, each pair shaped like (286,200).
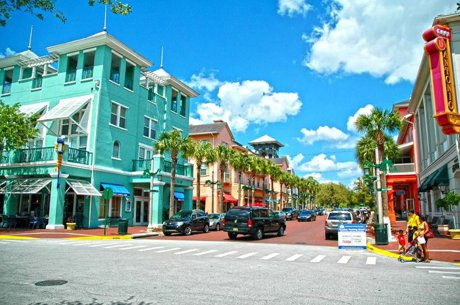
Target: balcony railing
(402,168)
(87,73)
(71,76)
(6,88)
(44,154)
(37,83)
(143,164)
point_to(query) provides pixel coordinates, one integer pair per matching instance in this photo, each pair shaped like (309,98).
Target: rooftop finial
(30,38)
(161,62)
(105,19)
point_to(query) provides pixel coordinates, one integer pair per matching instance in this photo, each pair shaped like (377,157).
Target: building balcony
(44,154)
(145,164)
(402,168)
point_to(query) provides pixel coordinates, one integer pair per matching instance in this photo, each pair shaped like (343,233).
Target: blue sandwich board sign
(352,236)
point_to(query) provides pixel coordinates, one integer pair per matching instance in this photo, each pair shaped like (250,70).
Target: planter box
(443,229)
(71,225)
(454,233)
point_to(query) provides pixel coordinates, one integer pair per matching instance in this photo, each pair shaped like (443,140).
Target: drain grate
(51,283)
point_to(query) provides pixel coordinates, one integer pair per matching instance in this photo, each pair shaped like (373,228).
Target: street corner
(16,237)
(99,237)
(372,248)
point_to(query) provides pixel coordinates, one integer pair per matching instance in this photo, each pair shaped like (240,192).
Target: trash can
(123,226)
(381,234)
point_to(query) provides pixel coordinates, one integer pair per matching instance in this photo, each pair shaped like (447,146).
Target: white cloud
(251,101)
(323,133)
(383,36)
(293,7)
(352,119)
(322,163)
(203,81)
(8,52)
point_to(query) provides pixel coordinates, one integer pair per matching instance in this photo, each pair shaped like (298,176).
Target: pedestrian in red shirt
(401,241)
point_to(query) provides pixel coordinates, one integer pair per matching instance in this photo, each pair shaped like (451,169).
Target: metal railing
(44,154)
(78,156)
(402,168)
(87,72)
(71,76)
(141,164)
(37,83)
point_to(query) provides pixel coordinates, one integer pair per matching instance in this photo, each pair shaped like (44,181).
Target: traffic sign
(107,193)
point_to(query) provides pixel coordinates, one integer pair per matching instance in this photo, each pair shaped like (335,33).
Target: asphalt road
(159,271)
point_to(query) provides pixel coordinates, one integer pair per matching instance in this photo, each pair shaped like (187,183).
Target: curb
(97,237)
(16,237)
(371,248)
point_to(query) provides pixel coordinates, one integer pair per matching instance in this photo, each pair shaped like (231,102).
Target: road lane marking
(168,250)
(294,257)
(82,243)
(344,259)
(101,245)
(451,277)
(18,241)
(133,247)
(205,252)
(187,251)
(443,272)
(318,259)
(247,255)
(371,260)
(226,254)
(115,246)
(150,249)
(434,267)
(270,256)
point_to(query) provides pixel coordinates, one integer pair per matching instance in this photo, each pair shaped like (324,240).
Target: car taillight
(223,222)
(325,222)
(250,223)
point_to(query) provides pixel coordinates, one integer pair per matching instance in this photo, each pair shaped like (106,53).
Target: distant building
(96,94)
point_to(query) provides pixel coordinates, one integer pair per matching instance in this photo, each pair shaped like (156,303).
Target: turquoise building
(99,96)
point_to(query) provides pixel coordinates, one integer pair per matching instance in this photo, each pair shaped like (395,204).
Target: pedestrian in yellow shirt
(412,224)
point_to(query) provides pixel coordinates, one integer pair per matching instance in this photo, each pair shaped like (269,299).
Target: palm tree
(375,125)
(203,153)
(173,142)
(274,171)
(240,163)
(283,179)
(255,167)
(223,155)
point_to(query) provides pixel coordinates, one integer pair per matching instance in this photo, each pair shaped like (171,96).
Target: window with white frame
(26,73)
(118,117)
(150,128)
(71,72)
(74,136)
(7,81)
(88,64)
(145,153)
(182,106)
(174,100)
(129,75)
(115,68)
(160,89)
(204,170)
(116,150)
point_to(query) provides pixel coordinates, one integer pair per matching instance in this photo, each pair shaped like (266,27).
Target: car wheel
(166,233)
(217,227)
(206,228)
(232,235)
(188,230)
(281,231)
(259,234)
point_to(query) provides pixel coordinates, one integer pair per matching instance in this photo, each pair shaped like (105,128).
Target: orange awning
(229,198)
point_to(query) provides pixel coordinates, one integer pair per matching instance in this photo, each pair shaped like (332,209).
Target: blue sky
(297,70)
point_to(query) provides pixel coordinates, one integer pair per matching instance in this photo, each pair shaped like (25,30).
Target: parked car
(280,214)
(215,221)
(186,221)
(291,213)
(306,215)
(254,221)
(336,218)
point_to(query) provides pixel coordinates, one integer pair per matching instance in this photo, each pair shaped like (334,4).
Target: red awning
(229,198)
(202,198)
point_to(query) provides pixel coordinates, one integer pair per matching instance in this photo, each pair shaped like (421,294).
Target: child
(401,241)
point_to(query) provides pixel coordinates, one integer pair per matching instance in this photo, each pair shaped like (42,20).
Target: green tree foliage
(361,194)
(333,195)
(15,127)
(39,7)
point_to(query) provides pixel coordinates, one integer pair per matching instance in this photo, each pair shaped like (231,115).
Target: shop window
(7,81)
(116,150)
(71,72)
(115,206)
(115,68)
(88,65)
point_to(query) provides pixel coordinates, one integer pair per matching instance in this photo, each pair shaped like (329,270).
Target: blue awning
(179,196)
(117,189)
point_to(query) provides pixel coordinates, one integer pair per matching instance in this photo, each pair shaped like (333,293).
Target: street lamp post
(211,183)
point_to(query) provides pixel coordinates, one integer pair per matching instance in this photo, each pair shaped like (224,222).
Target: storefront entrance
(141,211)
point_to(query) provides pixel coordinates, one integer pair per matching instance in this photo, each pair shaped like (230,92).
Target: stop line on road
(453,273)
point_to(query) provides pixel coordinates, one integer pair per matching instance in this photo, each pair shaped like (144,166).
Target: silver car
(335,218)
(215,221)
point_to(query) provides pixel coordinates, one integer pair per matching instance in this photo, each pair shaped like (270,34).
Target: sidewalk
(441,248)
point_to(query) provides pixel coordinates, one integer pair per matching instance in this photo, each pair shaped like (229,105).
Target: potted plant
(70,223)
(450,199)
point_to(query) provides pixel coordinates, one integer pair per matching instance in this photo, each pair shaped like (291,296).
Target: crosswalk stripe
(318,259)
(371,260)
(344,259)
(81,243)
(150,249)
(187,251)
(443,272)
(205,252)
(247,255)
(451,277)
(168,250)
(434,267)
(115,246)
(18,241)
(294,257)
(3,242)
(226,254)
(133,247)
(270,256)
(100,245)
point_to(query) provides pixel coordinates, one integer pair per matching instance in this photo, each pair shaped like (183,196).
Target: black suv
(254,221)
(291,213)
(186,221)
